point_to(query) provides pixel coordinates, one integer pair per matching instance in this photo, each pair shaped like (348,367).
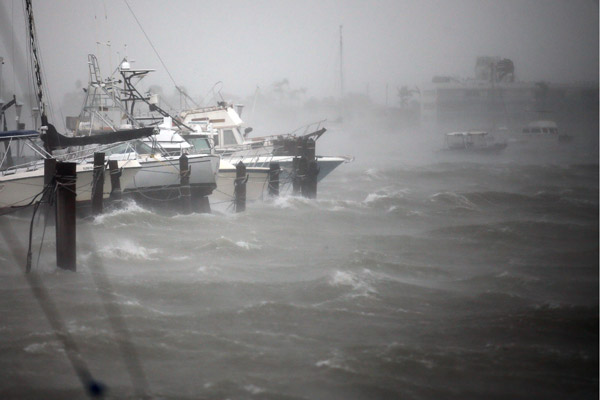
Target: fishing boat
(108,104)
(22,170)
(545,129)
(473,142)
(223,126)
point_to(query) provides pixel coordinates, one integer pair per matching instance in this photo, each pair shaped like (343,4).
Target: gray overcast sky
(246,44)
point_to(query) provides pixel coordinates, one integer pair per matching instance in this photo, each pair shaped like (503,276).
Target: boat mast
(36,62)
(341,65)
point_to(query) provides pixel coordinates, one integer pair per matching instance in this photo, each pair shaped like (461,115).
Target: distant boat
(473,142)
(545,128)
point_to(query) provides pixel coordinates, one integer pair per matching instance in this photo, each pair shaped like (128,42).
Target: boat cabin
(466,140)
(541,128)
(221,123)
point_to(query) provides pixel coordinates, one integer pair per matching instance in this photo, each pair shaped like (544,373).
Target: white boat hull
(256,186)
(326,163)
(160,176)
(21,187)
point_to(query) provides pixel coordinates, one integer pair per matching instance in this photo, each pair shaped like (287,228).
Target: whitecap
(358,284)
(128,207)
(454,199)
(246,245)
(254,389)
(128,250)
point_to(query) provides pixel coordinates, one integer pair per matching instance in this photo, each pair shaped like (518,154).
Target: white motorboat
(159,177)
(22,170)
(223,125)
(108,104)
(473,142)
(545,129)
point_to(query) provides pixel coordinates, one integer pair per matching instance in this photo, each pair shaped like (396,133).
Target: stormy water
(415,274)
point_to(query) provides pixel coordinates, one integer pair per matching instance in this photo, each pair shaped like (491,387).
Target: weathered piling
(98,184)
(49,170)
(274,179)
(66,178)
(49,174)
(310,180)
(310,149)
(116,195)
(239,189)
(184,185)
(302,171)
(296,179)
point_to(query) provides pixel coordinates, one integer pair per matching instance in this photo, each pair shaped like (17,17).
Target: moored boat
(473,142)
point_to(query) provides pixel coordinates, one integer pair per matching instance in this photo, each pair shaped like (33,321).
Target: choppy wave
(223,243)
(128,250)
(454,200)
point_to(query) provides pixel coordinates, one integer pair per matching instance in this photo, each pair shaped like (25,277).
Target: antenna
(341,64)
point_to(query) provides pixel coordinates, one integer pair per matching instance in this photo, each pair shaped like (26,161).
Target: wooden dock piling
(184,183)
(239,189)
(116,195)
(296,179)
(302,174)
(49,173)
(66,178)
(310,181)
(98,184)
(274,179)
(310,149)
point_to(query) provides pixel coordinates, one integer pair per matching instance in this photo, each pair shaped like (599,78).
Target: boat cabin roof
(542,124)
(469,133)
(219,117)
(22,134)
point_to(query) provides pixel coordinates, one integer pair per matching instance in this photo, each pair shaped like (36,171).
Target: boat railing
(308,128)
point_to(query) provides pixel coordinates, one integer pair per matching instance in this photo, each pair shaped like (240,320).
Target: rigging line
(35,208)
(48,208)
(151,44)
(12,40)
(92,387)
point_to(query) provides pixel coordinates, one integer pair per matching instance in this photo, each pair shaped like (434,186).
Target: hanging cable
(158,55)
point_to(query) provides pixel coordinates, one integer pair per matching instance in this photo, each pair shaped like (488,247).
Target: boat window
(228,137)
(535,130)
(142,148)
(201,145)
(525,130)
(119,149)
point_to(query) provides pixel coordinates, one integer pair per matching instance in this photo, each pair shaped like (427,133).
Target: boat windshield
(19,152)
(136,146)
(201,145)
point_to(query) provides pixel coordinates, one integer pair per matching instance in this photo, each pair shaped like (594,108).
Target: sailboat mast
(341,65)
(36,61)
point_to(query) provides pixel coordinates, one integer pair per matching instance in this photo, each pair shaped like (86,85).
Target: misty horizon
(249,47)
